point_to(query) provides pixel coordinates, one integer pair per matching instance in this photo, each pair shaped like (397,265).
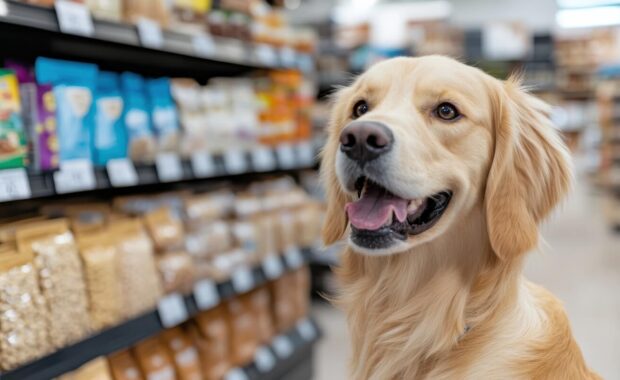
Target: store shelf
(130,332)
(120,45)
(172,169)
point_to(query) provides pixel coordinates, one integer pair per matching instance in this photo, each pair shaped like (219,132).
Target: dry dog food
(185,355)
(60,278)
(124,366)
(23,328)
(177,271)
(154,360)
(210,334)
(243,329)
(302,291)
(261,307)
(283,302)
(165,229)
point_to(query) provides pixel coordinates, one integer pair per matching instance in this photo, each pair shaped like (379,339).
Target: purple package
(39,115)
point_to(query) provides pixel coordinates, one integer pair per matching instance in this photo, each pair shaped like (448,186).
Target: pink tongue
(373,210)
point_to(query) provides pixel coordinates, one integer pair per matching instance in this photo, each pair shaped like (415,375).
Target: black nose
(363,141)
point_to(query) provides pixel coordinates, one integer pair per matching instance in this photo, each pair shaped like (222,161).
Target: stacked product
(76,269)
(64,111)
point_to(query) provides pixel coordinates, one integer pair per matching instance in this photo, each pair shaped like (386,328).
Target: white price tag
(172,310)
(286,156)
(236,374)
(283,346)
(263,159)
(169,168)
(150,33)
(306,330)
(122,172)
(206,295)
(264,359)
(266,55)
(242,280)
(288,56)
(272,267)
(203,165)
(74,176)
(305,154)
(14,185)
(293,257)
(74,18)
(234,162)
(203,45)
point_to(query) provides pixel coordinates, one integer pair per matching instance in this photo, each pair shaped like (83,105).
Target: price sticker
(266,55)
(235,162)
(305,154)
(206,295)
(150,33)
(288,56)
(74,18)
(236,374)
(283,346)
(203,165)
(286,156)
(242,280)
(122,172)
(264,359)
(272,267)
(169,168)
(263,159)
(172,310)
(74,176)
(203,45)
(14,185)
(294,258)
(306,330)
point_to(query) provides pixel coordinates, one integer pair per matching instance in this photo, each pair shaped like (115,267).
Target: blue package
(74,85)
(140,140)
(163,114)
(110,139)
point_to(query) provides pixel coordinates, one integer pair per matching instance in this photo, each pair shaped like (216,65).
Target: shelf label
(288,56)
(242,280)
(150,33)
(169,168)
(264,359)
(122,172)
(306,330)
(203,45)
(305,154)
(203,165)
(266,54)
(286,156)
(14,185)
(293,257)
(74,176)
(272,267)
(235,162)
(74,18)
(172,310)
(283,346)
(263,159)
(206,295)
(236,374)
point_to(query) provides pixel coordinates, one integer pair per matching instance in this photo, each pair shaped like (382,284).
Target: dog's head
(415,144)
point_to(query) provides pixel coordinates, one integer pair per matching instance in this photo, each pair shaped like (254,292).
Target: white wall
(539,15)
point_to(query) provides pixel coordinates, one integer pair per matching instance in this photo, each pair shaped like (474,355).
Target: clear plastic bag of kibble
(23,332)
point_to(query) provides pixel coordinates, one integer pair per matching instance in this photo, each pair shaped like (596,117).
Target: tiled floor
(580,264)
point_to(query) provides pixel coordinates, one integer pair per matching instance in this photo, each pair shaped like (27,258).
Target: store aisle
(579,262)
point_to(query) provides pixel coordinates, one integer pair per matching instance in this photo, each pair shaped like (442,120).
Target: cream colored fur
(408,310)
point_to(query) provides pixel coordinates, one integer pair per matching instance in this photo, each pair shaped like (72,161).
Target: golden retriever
(439,174)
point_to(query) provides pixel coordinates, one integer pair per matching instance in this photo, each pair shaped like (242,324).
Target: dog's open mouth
(378,216)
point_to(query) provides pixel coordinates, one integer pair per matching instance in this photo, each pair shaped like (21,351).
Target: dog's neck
(406,309)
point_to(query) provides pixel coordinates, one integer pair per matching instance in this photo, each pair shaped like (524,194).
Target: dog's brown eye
(447,111)
(360,108)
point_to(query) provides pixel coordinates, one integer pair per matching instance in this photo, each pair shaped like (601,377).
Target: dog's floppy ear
(335,223)
(529,174)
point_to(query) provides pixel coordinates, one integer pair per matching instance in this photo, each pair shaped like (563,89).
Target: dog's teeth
(413,205)
(390,219)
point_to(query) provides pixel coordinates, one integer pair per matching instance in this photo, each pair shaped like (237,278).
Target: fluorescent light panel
(588,17)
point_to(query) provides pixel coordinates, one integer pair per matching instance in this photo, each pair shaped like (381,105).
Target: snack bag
(110,134)
(124,366)
(185,355)
(211,336)
(163,114)
(74,84)
(154,360)
(13,152)
(141,143)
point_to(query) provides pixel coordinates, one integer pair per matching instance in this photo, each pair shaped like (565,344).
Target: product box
(110,138)
(13,152)
(74,85)
(141,142)
(163,114)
